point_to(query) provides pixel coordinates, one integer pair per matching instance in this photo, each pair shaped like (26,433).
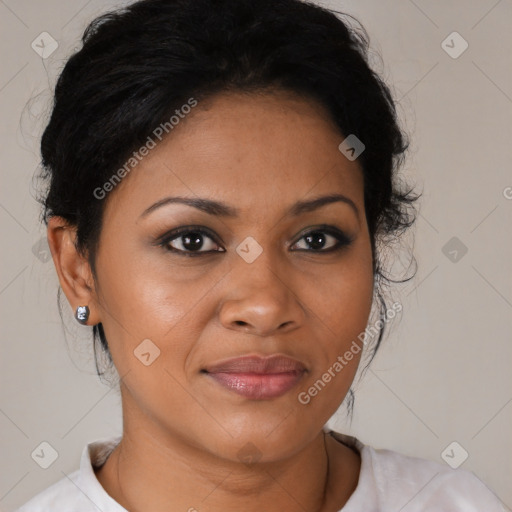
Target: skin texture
(182,430)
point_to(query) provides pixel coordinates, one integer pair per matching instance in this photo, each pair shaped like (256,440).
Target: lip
(256,377)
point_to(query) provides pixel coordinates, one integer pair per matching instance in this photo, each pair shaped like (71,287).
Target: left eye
(321,240)
(189,242)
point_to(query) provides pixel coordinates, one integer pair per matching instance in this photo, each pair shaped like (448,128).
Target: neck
(158,470)
(142,474)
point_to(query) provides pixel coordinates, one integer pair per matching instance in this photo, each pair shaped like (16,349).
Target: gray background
(442,375)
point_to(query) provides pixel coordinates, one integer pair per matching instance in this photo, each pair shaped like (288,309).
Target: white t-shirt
(388,482)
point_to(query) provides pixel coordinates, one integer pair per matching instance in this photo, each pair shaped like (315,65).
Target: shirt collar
(365,496)
(94,455)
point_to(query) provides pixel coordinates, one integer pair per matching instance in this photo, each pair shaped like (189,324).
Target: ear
(73,269)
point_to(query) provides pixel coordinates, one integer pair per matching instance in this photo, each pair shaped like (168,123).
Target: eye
(190,241)
(197,241)
(324,239)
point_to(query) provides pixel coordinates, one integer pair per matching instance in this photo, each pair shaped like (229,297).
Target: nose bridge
(259,297)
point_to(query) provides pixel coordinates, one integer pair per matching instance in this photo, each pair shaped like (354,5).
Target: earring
(82,314)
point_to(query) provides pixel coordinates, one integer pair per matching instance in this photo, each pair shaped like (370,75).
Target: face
(287,289)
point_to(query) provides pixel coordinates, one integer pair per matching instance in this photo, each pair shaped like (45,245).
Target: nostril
(240,322)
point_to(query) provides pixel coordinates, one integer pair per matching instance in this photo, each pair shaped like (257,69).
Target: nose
(261,300)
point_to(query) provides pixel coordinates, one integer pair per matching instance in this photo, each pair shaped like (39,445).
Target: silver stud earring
(82,314)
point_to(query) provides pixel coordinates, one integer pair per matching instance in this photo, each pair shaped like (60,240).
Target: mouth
(256,377)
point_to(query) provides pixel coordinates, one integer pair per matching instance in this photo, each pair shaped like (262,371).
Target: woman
(220,176)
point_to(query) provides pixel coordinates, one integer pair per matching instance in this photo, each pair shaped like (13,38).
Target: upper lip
(276,363)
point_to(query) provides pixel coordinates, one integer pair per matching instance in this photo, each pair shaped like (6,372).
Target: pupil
(192,241)
(316,240)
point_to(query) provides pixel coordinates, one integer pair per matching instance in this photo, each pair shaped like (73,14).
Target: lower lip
(258,386)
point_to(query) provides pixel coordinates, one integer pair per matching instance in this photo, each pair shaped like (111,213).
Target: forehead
(250,150)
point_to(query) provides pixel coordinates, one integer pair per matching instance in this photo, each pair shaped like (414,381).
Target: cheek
(343,315)
(152,299)
(153,322)
(341,302)
(342,298)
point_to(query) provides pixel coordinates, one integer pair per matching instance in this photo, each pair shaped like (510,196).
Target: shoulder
(426,485)
(80,491)
(390,480)
(62,496)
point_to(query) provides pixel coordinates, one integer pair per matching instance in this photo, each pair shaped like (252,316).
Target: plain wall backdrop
(443,372)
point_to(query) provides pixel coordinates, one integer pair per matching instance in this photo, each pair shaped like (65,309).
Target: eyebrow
(220,209)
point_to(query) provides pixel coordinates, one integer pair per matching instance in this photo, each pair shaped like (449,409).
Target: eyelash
(343,240)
